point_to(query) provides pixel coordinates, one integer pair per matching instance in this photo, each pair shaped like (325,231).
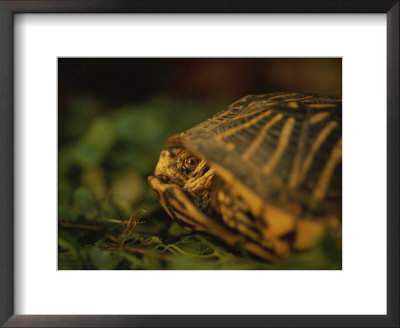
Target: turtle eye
(191,162)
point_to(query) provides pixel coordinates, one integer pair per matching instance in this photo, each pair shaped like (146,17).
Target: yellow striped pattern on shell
(284,147)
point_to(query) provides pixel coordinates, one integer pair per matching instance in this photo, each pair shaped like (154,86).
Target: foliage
(108,216)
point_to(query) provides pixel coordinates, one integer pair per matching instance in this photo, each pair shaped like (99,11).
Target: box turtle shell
(265,174)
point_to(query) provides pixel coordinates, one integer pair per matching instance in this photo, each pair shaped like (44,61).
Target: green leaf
(67,213)
(67,261)
(95,144)
(93,178)
(70,258)
(176,229)
(103,260)
(84,203)
(127,189)
(74,118)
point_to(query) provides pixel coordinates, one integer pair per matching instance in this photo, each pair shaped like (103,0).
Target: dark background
(126,80)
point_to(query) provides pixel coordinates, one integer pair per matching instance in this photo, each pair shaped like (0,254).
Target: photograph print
(199,164)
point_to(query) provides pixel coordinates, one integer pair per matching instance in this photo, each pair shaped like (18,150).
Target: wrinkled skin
(178,166)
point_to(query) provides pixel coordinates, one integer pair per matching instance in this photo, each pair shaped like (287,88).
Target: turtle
(264,175)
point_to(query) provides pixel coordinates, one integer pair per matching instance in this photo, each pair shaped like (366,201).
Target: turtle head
(180,168)
(176,165)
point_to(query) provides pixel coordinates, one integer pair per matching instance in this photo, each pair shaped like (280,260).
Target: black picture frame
(10,7)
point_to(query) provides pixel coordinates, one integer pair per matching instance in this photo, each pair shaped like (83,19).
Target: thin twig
(66,224)
(134,220)
(171,247)
(124,222)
